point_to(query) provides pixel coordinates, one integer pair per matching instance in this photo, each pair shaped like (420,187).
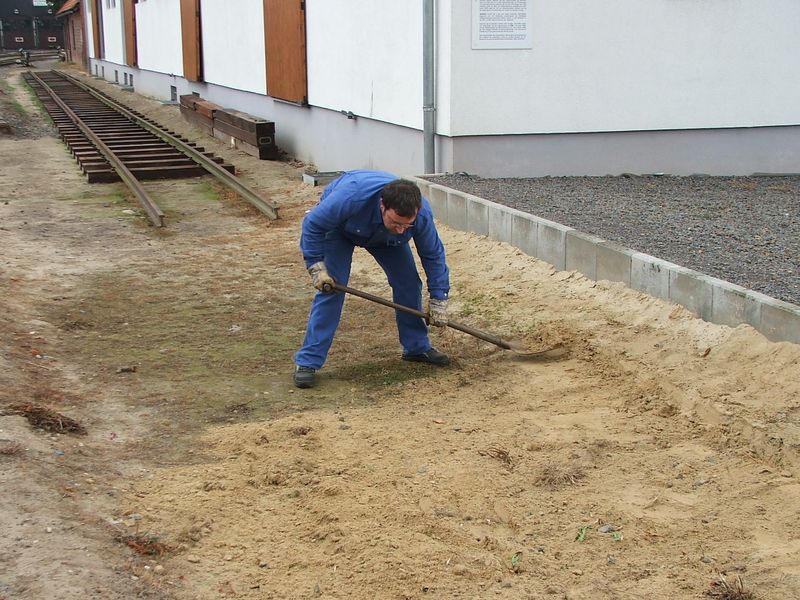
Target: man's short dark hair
(403,196)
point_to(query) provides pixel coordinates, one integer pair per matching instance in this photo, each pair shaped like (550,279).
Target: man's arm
(333,209)
(432,255)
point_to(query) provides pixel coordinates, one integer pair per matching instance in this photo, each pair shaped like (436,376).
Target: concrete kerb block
(525,233)
(456,210)
(650,275)
(423,184)
(733,305)
(477,214)
(692,290)
(780,321)
(614,262)
(501,222)
(551,245)
(581,253)
(437,196)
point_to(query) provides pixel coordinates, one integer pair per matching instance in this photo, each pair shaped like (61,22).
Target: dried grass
(44,418)
(556,476)
(497,452)
(723,590)
(8,448)
(144,545)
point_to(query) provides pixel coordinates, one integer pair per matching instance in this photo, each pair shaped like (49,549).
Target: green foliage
(581,537)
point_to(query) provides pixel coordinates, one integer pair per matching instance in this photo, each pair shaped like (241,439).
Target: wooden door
(97,27)
(285,43)
(129,21)
(191,36)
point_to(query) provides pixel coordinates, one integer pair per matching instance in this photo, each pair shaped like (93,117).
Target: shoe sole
(304,379)
(426,361)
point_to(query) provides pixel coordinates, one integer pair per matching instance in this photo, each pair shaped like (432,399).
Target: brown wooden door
(191,37)
(97,27)
(285,37)
(129,20)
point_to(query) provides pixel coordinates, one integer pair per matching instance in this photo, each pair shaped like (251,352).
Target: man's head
(400,203)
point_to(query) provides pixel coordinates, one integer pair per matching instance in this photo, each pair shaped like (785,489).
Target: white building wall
(88,11)
(686,87)
(113,37)
(158,36)
(365,56)
(233,44)
(631,65)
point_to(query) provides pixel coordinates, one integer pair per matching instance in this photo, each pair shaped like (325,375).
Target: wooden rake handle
(487,337)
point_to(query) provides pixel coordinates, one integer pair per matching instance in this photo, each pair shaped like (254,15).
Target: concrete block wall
(565,248)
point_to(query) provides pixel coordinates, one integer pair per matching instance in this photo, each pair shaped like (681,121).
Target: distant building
(29,24)
(70,16)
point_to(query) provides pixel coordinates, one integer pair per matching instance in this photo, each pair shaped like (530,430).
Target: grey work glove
(437,312)
(320,277)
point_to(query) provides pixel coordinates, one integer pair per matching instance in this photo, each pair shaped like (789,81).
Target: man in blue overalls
(380,213)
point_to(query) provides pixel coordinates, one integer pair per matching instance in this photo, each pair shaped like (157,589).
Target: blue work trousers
(326,309)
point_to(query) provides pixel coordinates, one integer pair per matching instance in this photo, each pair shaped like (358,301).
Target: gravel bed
(23,125)
(745,230)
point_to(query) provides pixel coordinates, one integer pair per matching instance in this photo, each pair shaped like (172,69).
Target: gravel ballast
(744,230)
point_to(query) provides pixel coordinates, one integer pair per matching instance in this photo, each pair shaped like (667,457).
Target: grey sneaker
(432,356)
(304,377)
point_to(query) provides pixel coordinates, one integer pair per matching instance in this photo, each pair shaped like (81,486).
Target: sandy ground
(657,456)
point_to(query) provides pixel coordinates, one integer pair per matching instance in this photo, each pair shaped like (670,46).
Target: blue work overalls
(349,215)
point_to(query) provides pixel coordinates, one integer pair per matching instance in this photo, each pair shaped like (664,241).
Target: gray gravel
(745,230)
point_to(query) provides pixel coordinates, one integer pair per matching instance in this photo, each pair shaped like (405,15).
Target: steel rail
(11,58)
(150,207)
(233,182)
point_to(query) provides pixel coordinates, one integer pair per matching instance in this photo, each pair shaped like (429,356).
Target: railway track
(8,58)
(112,142)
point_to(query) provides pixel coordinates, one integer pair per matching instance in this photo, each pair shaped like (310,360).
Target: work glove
(320,277)
(437,312)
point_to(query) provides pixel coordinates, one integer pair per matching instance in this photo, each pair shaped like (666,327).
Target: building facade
(70,16)
(29,25)
(520,87)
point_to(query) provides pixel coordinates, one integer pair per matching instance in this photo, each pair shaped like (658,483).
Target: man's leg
(326,309)
(401,271)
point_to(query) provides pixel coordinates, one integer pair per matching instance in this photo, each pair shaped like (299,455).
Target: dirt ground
(656,459)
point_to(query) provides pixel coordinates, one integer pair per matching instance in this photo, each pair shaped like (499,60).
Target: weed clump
(722,590)
(556,476)
(46,419)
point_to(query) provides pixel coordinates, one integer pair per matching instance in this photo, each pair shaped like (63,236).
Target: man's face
(394,222)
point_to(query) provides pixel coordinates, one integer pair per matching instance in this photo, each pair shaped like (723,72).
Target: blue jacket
(350,205)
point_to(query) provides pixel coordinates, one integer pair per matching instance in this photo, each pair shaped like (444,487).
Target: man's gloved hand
(437,312)
(320,277)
